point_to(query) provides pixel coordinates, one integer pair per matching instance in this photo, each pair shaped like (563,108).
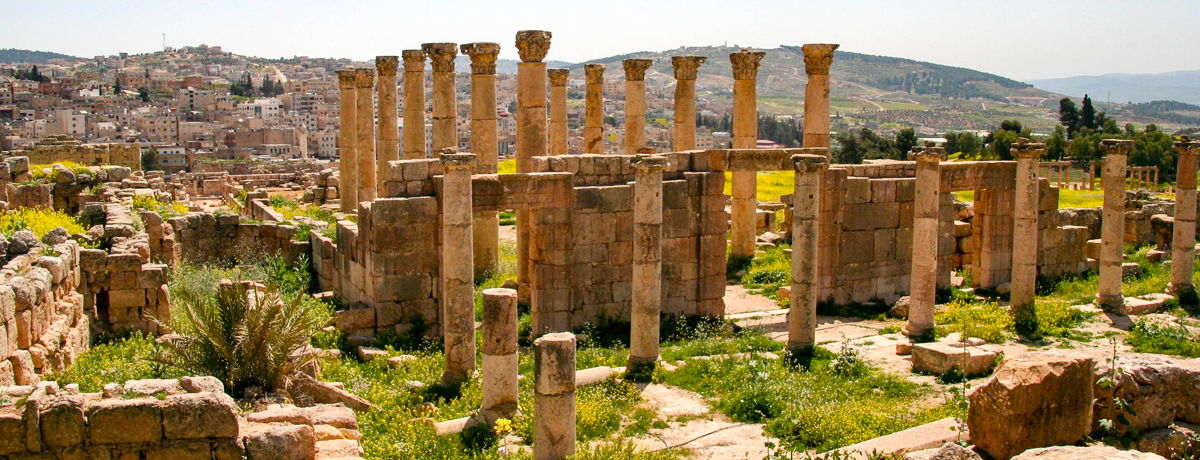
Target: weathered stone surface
(152,387)
(1159,390)
(117,421)
(11,421)
(948,451)
(940,358)
(62,422)
(199,415)
(1098,452)
(201,384)
(293,442)
(927,436)
(1034,400)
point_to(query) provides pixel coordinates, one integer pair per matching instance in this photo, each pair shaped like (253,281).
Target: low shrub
(114,361)
(39,221)
(1156,336)
(985,320)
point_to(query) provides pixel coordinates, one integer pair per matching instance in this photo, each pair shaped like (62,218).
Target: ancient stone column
(806,207)
(445,113)
(1112,230)
(499,349)
(1183,237)
(365,79)
(635,104)
(647,267)
(532,45)
(1025,230)
(745,136)
(593,119)
(414,104)
(457,269)
(484,133)
(685,100)
(388,136)
(348,140)
(923,288)
(554,396)
(817,59)
(558,111)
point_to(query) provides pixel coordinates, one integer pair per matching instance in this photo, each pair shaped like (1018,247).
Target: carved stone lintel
(745,64)
(1116,146)
(818,57)
(414,60)
(650,163)
(1025,149)
(442,55)
(483,57)
(387,65)
(347,78)
(635,69)
(455,161)
(686,66)
(533,45)
(364,78)
(807,163)
(594,73)
(558,77)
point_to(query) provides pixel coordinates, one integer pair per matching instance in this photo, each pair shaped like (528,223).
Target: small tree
(150,161)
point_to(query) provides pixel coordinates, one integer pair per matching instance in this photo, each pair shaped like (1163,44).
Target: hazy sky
(1013,38)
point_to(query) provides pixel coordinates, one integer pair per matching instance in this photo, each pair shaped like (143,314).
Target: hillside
(16,56)
(1178,86)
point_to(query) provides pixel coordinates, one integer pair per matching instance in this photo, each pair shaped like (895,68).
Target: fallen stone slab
(948,451)
(1099,452)
(593,376)
(940,358)
(927,436)
(1144,305)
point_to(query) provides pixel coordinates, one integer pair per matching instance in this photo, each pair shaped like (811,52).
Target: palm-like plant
(244,335)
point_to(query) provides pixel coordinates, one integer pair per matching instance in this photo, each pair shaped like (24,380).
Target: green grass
(985,320)
(814,409)
(114,361)
(768,272)
(1146,336)
(506,270)
(771,185)
(1080,198)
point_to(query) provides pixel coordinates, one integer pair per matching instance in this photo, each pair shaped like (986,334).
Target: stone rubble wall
(188,418)
(124,289)
(42,325)
(203,236)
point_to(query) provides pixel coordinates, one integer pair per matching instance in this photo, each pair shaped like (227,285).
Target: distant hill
(16,56)
(1171,111)
(1178,86)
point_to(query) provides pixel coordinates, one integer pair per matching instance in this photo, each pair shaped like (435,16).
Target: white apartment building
(265,108)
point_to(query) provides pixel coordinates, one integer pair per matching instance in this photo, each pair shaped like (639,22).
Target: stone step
(922,437)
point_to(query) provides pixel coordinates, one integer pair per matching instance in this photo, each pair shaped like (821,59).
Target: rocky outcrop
(1084,453)
(1158,390)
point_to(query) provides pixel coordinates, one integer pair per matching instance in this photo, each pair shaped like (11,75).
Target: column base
(918,334)
(640,370)
(1185,292)
(800,355)
(489,416)
(1109,302)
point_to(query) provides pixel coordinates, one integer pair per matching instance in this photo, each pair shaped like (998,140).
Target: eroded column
(348,140)
(806,207)
(558,110)
(593,119)
(647,267)
(817,59)
(1025,230)
(388,135)
(745,136)
(635,104)
(500,373)
(1183,237)
(484,146)
(554,396)
(685,100)
(457,269)
(923,287)
(1112,230)
(414,104)
(532,45)
(445,113)
(365,79)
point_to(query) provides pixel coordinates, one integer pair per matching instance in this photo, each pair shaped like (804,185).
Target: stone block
(119,421)
(858,190)
(857,247)
(292,442)
(1033,400)
(180,450)
(127,298)
(199,415)
(883,190)
(61,421)
(939,358)
(124,262)
(401,288)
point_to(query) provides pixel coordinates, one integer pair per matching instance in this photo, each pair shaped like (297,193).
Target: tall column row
(445,112)
(532,45)
(1112,230)
(1183,238)
(484,145)
(365,152)
(348,139)
(388,136)
(635,103)
(414,104)
(558,110)
(745,136)
(593,118)
(1025,229)
(685,68)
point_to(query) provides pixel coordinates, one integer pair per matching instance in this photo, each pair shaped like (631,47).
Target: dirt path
(694,426)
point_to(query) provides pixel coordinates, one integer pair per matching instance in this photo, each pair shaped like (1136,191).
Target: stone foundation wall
(206,236)
(127,155)
(188,418)
(42,325)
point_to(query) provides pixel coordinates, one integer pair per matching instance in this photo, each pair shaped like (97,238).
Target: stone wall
(388,263)
(127,155)
(207,236)
(42,325)
(188,418)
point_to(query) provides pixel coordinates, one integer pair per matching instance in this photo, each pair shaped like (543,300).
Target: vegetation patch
(1157,336)
(39,221)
